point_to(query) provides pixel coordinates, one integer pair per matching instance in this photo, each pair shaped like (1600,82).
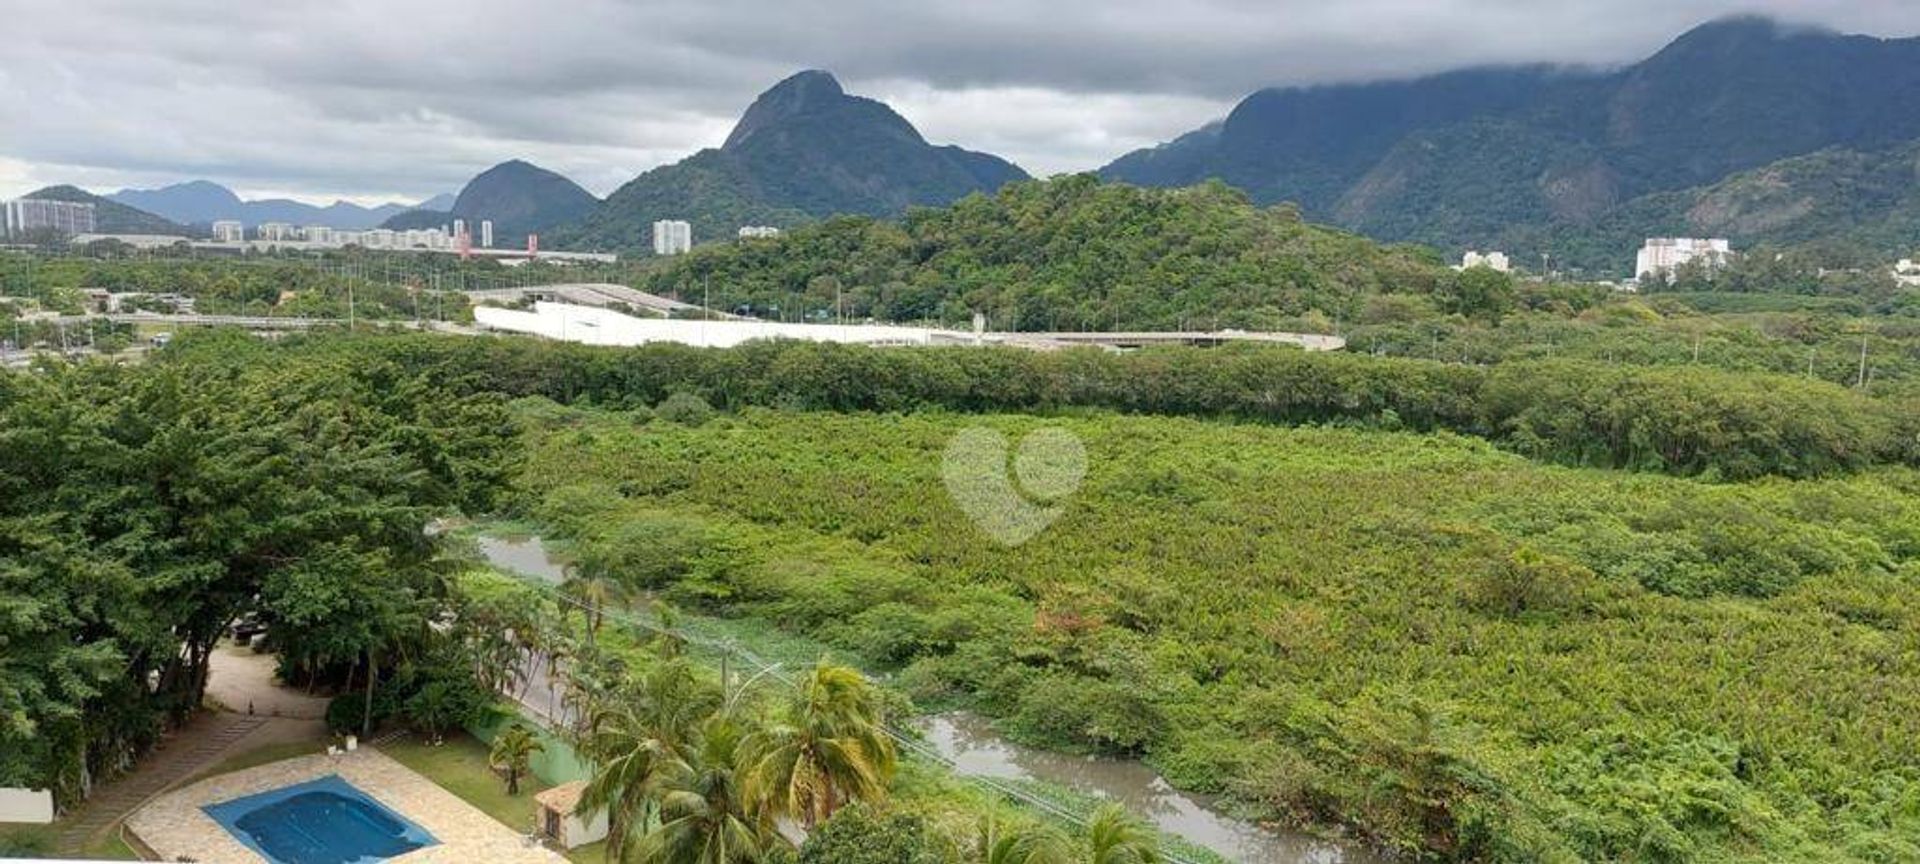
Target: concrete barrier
(26,805)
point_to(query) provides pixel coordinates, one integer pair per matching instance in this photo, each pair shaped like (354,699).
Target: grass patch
(26,841)
(460,766)
(110,846)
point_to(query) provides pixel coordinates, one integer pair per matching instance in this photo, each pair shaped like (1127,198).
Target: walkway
(180,755)
(176,827)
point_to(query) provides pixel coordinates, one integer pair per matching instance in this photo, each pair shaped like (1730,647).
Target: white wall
(593,326)
(580,833)
(26,805)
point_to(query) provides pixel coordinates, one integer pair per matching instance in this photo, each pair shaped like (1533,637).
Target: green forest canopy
(1453,646)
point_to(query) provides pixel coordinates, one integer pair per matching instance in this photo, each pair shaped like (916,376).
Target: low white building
(1661,255)
(274,232)
(672,237)
(1494,260)
(137,241)
(596,326)
(758,232)
(554,817)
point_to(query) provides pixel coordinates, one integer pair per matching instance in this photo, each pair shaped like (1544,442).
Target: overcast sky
(396,99)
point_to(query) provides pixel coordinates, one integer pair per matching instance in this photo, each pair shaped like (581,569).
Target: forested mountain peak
(518,196)
(813,91)
(805,149)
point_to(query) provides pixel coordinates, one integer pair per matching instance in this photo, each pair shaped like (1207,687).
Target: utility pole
(1862,381)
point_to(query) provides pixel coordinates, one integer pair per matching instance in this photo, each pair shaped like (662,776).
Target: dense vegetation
(1066,254)
(378,286)
(142,510)
(1679,419)
(1458,651)
(1308,582)
(1073,253)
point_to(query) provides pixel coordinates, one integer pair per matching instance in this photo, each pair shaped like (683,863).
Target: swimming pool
(324,821)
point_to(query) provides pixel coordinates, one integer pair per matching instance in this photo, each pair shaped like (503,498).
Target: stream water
(977,751)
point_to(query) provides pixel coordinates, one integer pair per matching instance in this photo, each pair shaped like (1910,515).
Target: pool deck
(174,825)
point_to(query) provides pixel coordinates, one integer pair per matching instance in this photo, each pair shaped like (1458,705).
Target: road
(252,322)
(598,294)
(1136,339)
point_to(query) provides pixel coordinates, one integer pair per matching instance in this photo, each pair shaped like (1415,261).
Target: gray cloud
(395,99)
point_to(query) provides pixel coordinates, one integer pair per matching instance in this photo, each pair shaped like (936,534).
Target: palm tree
(830,748)
(512,753)
(705,816)
(1037,844)
(635,735)
(596,588)
(1114,837)
(629,764)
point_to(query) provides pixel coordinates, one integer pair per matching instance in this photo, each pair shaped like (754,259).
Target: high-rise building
(672,237)
(41,214)
(459,227)
(1661,255)
(229,231)
(276,232)
(321,234)
(486,233)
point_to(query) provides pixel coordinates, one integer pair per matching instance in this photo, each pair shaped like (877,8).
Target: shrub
(858,835)
(684,408)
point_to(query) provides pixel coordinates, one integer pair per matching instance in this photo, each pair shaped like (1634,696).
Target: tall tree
(705,814)
(636,734)
(830,747)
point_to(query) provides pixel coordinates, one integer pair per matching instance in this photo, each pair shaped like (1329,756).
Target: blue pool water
(324,821)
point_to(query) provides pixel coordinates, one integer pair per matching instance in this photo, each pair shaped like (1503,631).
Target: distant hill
(200,202)
(1069,253)
(520,198)
(803,150)
(112,217)
(442,201)
(1864,200)
(1504,156)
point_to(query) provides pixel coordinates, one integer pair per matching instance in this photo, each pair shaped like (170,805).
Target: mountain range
(199,202)
(803,150)
(1545,159)
(518,197)
(1742,127)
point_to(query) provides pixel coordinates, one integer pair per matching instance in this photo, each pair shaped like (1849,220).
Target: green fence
(556,763)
